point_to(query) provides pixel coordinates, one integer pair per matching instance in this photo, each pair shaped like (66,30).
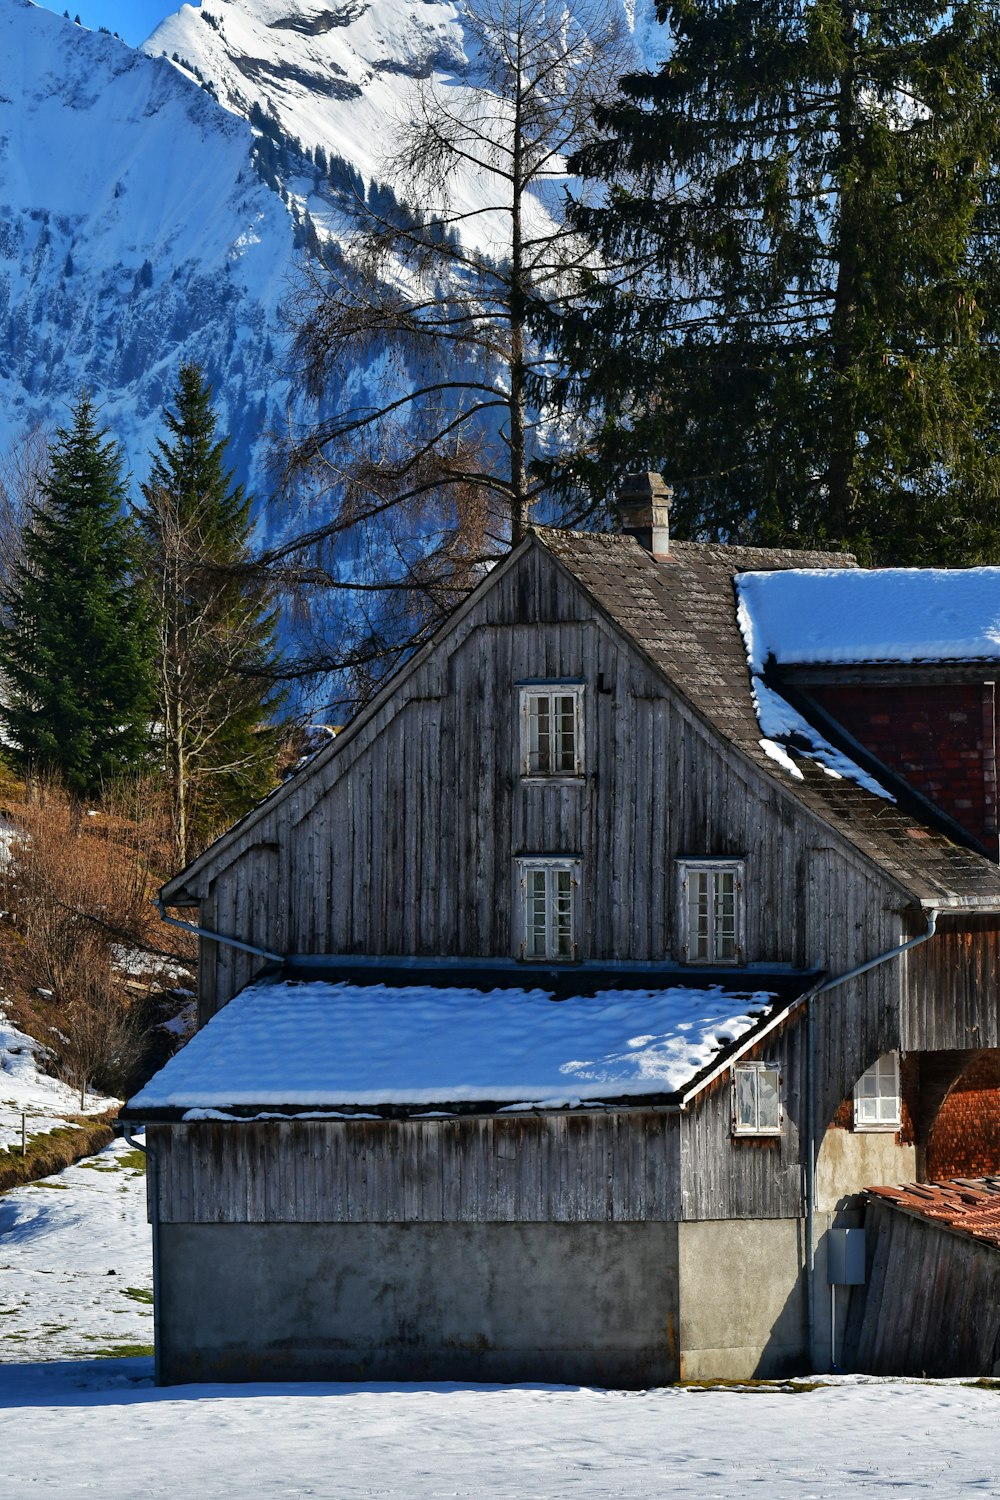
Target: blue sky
(132,19)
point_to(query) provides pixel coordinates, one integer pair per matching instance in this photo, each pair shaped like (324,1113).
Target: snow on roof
(833,616)
(829,616)
(322,1045)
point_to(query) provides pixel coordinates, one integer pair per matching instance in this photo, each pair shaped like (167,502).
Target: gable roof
(681,613)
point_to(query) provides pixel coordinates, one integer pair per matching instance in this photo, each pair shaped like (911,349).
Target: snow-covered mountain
(153,206)
(333,74)
(134,233)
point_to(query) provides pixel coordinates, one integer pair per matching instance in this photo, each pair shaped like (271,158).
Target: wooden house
(567,795)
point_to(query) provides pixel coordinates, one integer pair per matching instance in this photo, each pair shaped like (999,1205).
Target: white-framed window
(876,1096)
(756,1099)
(549,889)
(710,906)
(552,729)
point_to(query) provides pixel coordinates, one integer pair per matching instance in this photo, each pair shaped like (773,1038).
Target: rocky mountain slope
(154,205)
(333,74)
(134,233)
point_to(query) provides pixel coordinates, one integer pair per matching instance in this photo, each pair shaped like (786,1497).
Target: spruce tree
(803,212)
(216,626)
(75,642)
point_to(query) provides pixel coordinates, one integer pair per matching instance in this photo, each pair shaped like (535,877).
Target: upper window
(552,730)
(549,906)
(711,910)
(876,1096)
(756,1099)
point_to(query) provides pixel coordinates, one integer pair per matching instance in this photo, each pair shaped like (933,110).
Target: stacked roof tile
(969,1205)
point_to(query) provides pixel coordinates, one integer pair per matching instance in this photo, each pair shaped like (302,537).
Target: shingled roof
(681,612)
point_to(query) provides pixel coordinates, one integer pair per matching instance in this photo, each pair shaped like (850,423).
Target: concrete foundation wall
(850,1161)
(577,1303)
(742,1299)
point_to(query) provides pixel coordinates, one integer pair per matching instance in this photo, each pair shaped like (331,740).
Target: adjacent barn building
(555,1017)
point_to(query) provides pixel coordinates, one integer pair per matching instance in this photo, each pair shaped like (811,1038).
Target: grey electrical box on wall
(845,1257)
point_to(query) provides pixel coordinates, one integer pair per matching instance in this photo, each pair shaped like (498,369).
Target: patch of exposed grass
(134,1161)
(780,1387)
(54,1150)
(61,1185)
(138,1294)
(984,1383)
(119,1351)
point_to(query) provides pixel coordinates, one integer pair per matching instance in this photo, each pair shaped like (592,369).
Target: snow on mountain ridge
(134,233)
(335,77)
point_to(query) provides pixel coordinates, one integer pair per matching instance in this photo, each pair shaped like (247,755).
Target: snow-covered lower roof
(323,1046)
(833,616)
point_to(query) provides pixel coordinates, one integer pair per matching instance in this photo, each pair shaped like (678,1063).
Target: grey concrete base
(591,1304)
(742,1299)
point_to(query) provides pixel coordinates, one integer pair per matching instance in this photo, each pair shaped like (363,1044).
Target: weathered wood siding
(405,841)
(548,1169)
(932,1302)
(728,1177)
(952,987)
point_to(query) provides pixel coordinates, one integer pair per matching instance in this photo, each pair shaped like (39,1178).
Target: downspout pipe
(215,937)
(832,984)
(881,958)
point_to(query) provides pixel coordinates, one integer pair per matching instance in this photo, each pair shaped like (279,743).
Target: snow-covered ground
(75,1262)
(78,1430)
(79,1427)
(45,1102)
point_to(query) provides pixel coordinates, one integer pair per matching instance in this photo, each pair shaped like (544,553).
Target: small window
(552,730)
(876,1096)
(756,1099)
(711,911)
(549,904)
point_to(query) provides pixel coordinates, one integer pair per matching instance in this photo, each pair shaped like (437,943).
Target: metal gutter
(215,937)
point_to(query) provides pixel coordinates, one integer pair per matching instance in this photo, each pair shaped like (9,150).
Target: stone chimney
(644,506)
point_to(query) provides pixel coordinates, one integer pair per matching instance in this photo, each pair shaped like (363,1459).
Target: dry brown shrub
(76,886)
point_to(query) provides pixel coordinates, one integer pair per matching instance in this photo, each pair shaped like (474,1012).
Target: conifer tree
(804,209)
(75,642)
(216,627)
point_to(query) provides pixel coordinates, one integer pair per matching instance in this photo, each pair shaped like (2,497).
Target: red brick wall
(965,1138)
(940,738)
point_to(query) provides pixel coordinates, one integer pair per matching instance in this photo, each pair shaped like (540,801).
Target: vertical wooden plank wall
(405,842)
(601,1168)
